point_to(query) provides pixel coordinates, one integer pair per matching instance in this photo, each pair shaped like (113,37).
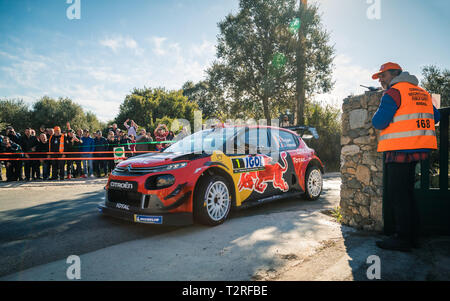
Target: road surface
(45,223)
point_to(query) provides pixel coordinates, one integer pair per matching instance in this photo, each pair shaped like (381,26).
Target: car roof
(260,126)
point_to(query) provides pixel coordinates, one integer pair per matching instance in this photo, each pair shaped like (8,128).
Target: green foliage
(201,94)
(146,106)
(258,55)
(14,112)
(165,120)
(336,213)
(48,112)
(326,119)
(437,81)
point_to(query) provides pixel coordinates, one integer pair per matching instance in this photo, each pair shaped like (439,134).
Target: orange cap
(57,128)
(385,67)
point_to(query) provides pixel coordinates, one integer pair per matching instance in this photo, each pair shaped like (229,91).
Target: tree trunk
(300,82)
(265,101)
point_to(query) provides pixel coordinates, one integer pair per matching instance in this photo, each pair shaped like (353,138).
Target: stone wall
(361,164)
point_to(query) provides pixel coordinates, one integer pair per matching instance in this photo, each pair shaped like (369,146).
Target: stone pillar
(361,164)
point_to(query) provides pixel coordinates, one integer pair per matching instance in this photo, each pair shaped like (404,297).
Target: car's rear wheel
(212,201)
(313,183)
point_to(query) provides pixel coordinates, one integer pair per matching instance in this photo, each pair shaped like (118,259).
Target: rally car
(207,174)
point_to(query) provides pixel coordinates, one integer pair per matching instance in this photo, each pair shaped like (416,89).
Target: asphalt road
(43,224)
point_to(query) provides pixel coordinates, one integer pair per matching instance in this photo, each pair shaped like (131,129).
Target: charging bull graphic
(257,180)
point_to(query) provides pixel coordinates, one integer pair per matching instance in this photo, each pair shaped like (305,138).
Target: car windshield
(205,141)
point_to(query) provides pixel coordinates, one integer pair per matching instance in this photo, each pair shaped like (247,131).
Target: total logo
(300,160)
(122,206)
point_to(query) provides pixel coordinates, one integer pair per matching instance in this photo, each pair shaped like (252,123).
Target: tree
(313,57)
(145,106)
(14,112)
(50,112)
(437,81)
(256,70)
(327,121)
(200,94)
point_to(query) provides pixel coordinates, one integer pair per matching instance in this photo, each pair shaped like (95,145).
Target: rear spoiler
(301,129)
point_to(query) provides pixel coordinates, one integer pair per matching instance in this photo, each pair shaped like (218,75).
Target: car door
(289,144)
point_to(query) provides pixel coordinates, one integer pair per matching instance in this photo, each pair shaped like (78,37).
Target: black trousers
(58,167)
(100,164)
(12,170)
(400,199)
(31,169)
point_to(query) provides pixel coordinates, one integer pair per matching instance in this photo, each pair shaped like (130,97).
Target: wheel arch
(214,170)
(315,162)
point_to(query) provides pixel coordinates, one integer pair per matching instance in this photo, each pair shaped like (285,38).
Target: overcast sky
(118,45)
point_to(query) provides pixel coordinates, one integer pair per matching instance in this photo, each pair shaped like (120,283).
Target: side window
(286,140)
(252,141)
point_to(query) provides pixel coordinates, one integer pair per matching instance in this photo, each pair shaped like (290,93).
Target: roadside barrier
(65,158)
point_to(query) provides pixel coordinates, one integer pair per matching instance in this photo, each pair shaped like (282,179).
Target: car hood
(155,159)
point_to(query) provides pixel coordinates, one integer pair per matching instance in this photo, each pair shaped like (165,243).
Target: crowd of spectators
(72,154)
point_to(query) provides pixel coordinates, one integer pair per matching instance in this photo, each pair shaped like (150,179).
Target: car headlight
(176,165)
(169,167)
(159,182)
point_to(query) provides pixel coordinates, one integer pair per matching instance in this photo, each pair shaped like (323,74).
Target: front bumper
(173,219)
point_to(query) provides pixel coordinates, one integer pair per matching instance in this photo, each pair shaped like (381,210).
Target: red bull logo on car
(257,180)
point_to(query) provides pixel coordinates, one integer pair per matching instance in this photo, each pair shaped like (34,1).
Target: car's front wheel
(212,201)
(313,183)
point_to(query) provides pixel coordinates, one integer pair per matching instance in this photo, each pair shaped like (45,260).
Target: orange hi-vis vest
(61,144)
(413,124)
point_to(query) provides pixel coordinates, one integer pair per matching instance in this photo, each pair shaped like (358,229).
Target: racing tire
(212,201)
(313,183)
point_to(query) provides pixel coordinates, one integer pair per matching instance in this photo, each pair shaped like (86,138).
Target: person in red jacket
(161,133)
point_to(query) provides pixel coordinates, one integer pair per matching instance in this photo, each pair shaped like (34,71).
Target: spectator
(2,150)
(131,129)
(132,145)
(73,145)
(161,133)
(50,132)
(11,166)
(112,143)
(57,144)
(42,147)
(113,128)
(182,134)
(285,122)
(15,139)
(170,136)
(117,133)
(124,141)
(101,145)
(142,141)
(77,147)
(88,148)
(42,129)
(27,143)
(12,135)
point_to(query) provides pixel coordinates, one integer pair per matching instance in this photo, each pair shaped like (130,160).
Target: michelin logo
(126,185)
(148,219)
